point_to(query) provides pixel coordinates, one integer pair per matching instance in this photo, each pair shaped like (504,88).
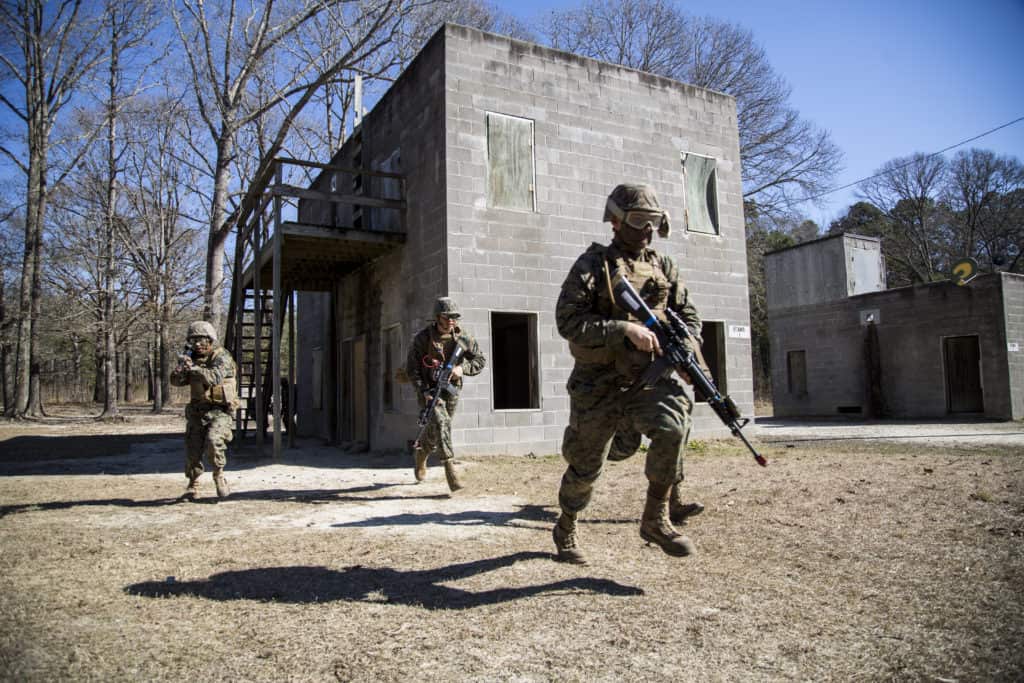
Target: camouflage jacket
(595,326)
(430,345)
(212,380)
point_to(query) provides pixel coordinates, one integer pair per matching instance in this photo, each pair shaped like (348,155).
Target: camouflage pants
(598,409)
(438,435)
(207,432)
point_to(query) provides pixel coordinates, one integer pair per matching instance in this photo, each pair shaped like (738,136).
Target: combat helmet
(446,306)
(635,197)
(201,328)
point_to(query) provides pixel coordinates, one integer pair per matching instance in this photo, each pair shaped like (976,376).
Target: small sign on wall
(872,315)
(1012,347)
(739,331)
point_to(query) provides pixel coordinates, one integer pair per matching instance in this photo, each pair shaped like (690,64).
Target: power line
(929,156)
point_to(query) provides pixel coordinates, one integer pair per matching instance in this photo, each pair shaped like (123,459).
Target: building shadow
(417,588)
(92,454)
(164,453)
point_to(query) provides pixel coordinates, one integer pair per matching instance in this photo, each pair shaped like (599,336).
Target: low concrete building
(507,152)
(843,344)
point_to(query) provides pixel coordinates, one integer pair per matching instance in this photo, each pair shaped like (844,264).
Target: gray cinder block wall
(1013,311)
(912,324)
(595,125)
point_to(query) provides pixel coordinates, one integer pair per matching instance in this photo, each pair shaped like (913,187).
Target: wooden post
(292,296)
(276,318)
(257,333)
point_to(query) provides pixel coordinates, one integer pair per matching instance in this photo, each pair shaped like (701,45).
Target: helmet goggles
(643,220)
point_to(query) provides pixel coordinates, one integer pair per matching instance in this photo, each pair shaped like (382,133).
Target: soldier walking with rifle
(208,369)
(440,356)
(609,308)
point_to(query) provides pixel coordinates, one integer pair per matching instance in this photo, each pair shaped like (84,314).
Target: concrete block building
(503,153)
(842,343)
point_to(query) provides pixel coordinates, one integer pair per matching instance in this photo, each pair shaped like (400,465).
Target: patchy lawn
(842,560)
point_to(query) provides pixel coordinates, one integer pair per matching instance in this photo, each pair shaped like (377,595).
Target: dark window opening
(390,355)
(849,409)
(514,363)
(713,350)
(796,373)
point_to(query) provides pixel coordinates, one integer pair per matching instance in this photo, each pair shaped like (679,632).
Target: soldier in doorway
(611,349)
(209,370)
(430,349)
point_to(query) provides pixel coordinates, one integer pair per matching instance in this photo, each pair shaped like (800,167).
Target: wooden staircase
(275,258)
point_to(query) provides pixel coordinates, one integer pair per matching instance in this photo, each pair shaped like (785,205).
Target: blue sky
(887,79)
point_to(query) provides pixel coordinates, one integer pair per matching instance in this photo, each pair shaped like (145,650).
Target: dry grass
(840,561)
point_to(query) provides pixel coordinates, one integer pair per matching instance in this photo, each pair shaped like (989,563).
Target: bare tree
(916,233)
(9,242)
(163,248)
(53,47)
(321,129)
(785,158)
(985,194)
(224,47)
(127,26)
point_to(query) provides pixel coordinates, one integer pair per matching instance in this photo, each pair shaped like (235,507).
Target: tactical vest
(440,350)
(224,394)
(649,279)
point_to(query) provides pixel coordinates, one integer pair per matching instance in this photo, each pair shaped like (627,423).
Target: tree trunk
(164,359)
(99,374)
(76,363)
(213,299)
(35,207)
(129,377)
(151,376)
(35,402)
(5,393)
(110,384)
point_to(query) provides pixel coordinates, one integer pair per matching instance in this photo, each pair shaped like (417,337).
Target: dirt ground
(855,555)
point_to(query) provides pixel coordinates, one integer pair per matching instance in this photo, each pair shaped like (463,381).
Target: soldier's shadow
(382,585)
(524,513)
(310,496)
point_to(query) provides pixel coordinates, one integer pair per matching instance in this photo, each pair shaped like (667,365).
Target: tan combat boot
(678,511)
(453,479)
(566,542)
(192,490)
(420,470)
(221,483)
(655,526)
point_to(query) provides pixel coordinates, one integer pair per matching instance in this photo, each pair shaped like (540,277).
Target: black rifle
(676,357)
(444,386)
(188,353)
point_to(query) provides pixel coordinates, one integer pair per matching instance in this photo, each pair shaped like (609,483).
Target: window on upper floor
(700,193)
(510,163)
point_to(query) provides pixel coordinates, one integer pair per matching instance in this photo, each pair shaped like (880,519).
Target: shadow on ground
(311,496)
(525,513)
(163,453)
(422,588)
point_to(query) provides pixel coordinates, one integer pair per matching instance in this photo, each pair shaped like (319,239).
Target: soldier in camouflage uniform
(209,371)
(430,349)
(611,350)
(626,443)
